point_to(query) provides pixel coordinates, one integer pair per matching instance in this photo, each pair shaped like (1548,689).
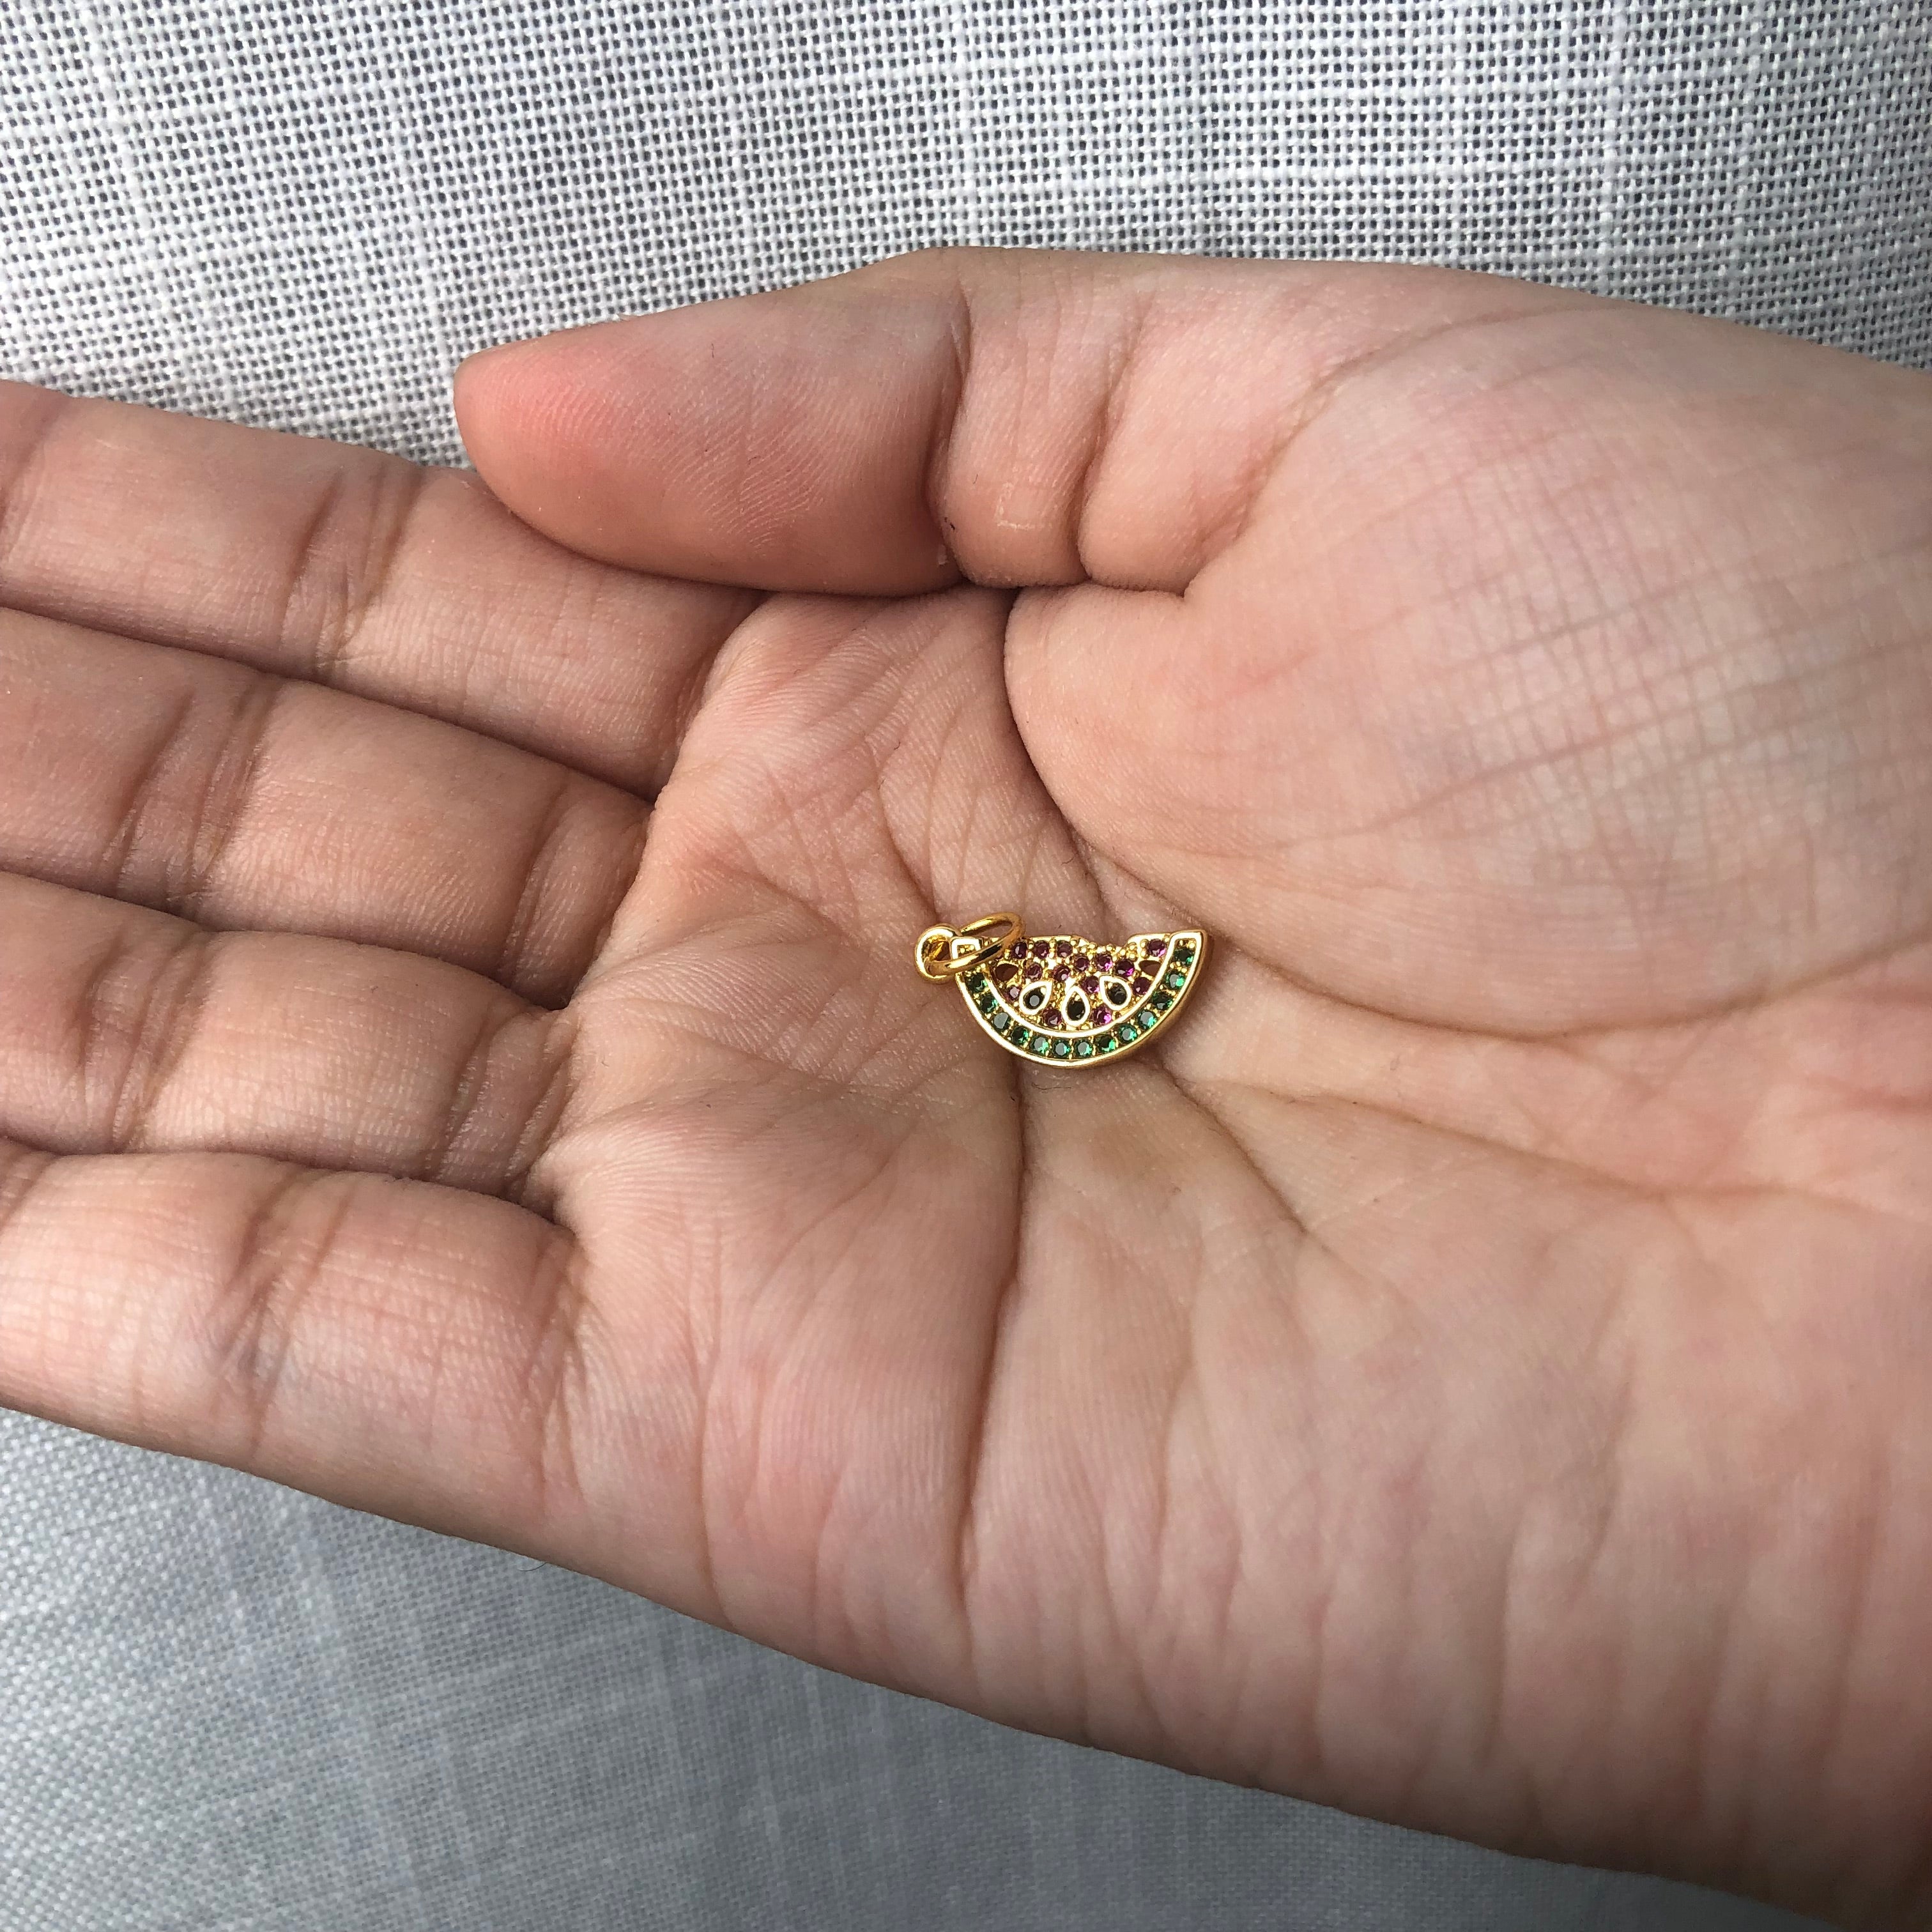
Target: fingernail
(478,356)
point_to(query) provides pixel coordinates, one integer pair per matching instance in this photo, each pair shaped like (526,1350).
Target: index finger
(317,560)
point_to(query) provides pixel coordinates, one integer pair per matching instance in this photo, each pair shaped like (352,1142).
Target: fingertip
(519,408)
(478,377)
(489,393)
(762,442)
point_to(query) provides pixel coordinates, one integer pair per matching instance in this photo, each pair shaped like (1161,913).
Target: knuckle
(283,1251)
(135,1019)
(342,556)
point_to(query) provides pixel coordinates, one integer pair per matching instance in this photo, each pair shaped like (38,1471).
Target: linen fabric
(223,1706)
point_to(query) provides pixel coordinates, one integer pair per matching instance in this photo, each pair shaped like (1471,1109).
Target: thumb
(1012,416)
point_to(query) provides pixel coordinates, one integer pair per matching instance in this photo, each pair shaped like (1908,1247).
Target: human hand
(1468,1370)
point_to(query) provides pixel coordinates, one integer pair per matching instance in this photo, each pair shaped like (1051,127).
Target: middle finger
(241,799)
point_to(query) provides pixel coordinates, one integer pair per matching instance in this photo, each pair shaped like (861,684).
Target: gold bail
(939,955)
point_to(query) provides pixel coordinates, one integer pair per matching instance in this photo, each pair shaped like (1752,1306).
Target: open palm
(459,1051)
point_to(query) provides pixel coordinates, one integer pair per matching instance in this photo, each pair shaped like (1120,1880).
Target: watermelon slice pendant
(1059,1000)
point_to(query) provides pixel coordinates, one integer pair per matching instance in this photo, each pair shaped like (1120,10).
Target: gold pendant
(1069,1001)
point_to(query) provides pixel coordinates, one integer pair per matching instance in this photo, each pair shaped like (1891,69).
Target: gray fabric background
(223,1706)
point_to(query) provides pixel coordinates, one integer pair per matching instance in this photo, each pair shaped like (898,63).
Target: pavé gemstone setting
(1068,1014)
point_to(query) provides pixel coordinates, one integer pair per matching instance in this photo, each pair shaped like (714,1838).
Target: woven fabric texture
(224,1706)
(304,213)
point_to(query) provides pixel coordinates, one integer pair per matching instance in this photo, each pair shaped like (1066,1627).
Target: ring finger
(125,1030)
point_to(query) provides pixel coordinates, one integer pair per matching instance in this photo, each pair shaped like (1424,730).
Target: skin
(459,1052)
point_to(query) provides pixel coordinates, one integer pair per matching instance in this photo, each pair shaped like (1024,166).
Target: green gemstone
(1129,1033)
(1000,1023)
(1177,980)
(1183,954)
(1083,1049)
(1062,1050)
(1107,1042)
(1042,1044)
(1160,1003)
(1019,1037)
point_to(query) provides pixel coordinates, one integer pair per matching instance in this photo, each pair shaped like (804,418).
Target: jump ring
(937,954)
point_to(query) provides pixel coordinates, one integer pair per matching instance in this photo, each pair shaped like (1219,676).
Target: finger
(1022,418)
(242,799)
(397,1346)
(349,568)
(124,1030)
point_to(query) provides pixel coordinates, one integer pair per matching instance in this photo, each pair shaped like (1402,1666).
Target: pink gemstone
(1090,982)
(1104,963)
(1062,947)
(1081,962)
(1140,986)
(1101,1015)
(1156,947)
